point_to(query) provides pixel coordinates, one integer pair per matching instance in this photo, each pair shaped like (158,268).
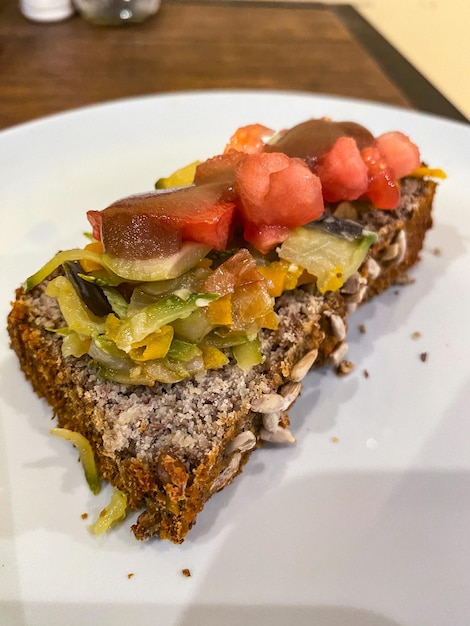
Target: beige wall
(434,35)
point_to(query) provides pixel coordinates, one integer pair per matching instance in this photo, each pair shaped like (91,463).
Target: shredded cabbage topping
(86,455)
(139,332)
(164,330)
(112,514)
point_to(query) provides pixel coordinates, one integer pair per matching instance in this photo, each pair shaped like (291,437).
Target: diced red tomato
(249,139)
(213,226)
(400,152)
(276,190)
(256,187)
(264,237)
(154,224)
(343,172)
(383,190)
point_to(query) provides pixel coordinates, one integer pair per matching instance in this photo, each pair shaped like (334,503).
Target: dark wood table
(203,44)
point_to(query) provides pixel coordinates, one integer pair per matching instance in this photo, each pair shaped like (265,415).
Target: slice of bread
(170,447)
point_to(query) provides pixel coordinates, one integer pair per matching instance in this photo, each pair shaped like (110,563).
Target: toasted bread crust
(169,448)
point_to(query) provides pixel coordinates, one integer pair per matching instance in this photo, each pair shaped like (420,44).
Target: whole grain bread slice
(170,447)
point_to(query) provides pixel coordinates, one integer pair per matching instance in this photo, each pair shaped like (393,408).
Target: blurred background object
(116,12)
(47,10)
(322,48)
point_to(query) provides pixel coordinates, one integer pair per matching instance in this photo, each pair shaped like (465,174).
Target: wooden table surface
(47,68)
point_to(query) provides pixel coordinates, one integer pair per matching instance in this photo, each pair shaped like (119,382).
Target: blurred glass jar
(116,12)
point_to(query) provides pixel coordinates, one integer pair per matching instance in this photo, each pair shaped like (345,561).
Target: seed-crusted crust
(171,447)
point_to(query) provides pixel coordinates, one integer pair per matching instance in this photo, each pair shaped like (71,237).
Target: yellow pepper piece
(154,346)
(213,357)
(112,325)
(90,266)
(205,263)
(270,321)
(423,171)
(250,305)
(281,276)
(292,277)
(275,276)
(183,176)
(332,282)
(219,312)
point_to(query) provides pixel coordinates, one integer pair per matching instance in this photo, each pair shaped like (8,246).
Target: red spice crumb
(130,575)
(186,572)
(366,374)
(423,356)
(84,515)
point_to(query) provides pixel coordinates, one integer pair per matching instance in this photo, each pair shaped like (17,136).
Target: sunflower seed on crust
(300,369)
(291,391)
(269,403)
(358,296)
(401,243)
(271,421)
(243,442)
(390,253)
(338,355)
(282,435)
(373,268)
(338,327)
(228,473)
(352,284)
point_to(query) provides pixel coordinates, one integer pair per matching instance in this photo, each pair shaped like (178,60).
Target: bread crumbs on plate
(344,368)
(130,575)
(423,356)
(186,572)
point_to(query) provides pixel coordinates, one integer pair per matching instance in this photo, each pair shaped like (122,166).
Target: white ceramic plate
(365,521)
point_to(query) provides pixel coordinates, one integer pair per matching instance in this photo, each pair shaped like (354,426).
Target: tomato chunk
(343,172)
(265,236)
(382,190)
(276,190)
(249,139)
(400,152)
(154,224)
